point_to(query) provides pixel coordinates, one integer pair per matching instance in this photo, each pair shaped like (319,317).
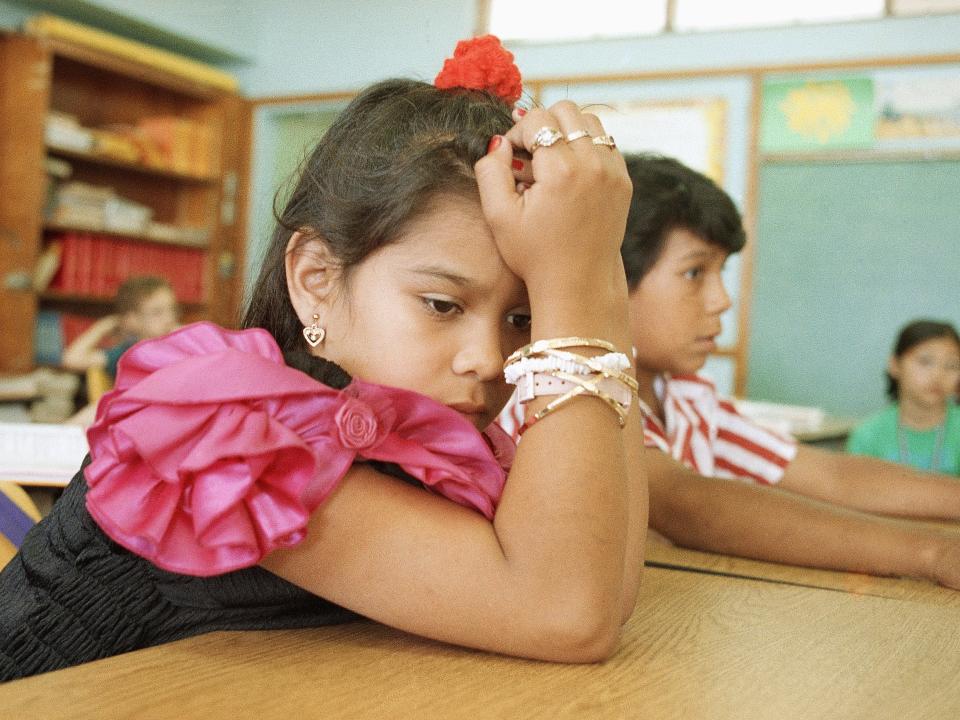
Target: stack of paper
(789,419)
(40,454)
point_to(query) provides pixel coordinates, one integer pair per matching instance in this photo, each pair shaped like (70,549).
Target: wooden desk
(669,556)
(832,428)
(698,646)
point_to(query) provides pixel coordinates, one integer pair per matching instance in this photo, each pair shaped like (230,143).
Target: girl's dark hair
(669,195)
(394,148)
(913,334)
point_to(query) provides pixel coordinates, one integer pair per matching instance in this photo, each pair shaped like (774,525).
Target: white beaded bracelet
(559,361)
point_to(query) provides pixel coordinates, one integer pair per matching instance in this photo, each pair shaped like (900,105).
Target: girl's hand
(946,562)
(569,224)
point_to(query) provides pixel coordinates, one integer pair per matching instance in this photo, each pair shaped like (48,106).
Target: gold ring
(604,140)
(577,134)
(545,137)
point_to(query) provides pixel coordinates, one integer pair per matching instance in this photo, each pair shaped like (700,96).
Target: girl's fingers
(522,135)
(495,179)
(570,122)
(522,168)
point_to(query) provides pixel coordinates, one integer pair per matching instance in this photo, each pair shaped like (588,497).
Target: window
(924,7)
(559,20)
(541,20)
(712,15)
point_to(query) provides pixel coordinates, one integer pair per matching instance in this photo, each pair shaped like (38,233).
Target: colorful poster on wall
(799,115)
(922,105)
(691,131)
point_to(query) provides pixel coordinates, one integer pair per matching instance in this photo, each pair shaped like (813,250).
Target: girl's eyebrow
(441,272)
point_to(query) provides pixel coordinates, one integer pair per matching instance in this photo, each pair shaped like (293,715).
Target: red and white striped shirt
(702,431)
(707,434)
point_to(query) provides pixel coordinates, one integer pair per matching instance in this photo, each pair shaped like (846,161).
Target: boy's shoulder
(692,383)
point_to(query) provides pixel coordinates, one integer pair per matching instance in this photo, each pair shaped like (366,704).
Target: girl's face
(928,373)
(437,312)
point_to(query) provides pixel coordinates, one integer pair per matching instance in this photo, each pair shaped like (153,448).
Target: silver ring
(577,134)
(604,140)
(545,137)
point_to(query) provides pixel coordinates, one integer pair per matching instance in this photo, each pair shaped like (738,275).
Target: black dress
(72,595)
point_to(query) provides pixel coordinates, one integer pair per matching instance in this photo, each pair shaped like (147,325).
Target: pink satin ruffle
(210,452)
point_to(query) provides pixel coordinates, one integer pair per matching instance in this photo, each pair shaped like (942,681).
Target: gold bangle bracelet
(539,346)
(583,389)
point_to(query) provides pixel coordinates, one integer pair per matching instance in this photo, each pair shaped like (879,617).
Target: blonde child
(144,307)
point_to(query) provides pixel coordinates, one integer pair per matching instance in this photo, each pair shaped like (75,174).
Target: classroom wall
(285,47)
(289,47)
(851,252)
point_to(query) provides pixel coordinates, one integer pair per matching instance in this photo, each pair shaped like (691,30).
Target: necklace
(904,453)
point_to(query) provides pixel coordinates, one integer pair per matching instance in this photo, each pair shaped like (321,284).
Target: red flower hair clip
(482,63)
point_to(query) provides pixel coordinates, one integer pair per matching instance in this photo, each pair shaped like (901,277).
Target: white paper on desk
(41,454)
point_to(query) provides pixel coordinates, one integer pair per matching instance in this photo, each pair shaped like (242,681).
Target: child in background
(921,426)
(145,307)
(331,464)
(787,503)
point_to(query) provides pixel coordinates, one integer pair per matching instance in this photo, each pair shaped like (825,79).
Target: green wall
(846,254)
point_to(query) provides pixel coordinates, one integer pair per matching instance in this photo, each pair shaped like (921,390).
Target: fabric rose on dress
(210,452)
(358,425)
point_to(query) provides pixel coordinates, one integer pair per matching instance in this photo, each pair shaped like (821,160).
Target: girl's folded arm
(544,580)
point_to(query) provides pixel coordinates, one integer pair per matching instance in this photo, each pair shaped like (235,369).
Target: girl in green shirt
(922,425)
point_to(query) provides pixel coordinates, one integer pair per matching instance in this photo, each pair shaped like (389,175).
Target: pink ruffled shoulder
(210,452)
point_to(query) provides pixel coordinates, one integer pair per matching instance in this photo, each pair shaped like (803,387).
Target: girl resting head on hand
(434,234)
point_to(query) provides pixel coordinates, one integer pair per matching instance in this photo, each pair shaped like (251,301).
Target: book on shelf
(95,265)
(82,204)
(161,142)
(64,131)
(185,146)
(54,331)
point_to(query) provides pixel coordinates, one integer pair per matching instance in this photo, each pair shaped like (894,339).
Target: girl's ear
(313,276)
(893,367)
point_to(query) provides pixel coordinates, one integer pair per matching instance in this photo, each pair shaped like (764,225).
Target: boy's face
(675,309)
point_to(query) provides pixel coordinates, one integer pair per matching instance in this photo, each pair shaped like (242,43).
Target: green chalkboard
(845,255)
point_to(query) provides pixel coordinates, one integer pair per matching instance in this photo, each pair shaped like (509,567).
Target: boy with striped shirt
(824,509)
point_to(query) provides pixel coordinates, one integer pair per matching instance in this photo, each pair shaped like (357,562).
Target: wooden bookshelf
(50,227)
(139,168)
(95,302)
(38,77)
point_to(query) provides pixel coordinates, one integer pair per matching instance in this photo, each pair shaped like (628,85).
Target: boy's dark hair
(669,195)
(394,148)
(134,290)
(910,336)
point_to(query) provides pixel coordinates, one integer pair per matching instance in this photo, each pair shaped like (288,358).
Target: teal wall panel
(846,254)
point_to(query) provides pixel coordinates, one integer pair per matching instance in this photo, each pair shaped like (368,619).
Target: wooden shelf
(99,301)
(102,89)
(136,237)
(139,168)
(125,68)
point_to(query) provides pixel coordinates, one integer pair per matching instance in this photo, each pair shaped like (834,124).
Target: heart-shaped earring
(313,333)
